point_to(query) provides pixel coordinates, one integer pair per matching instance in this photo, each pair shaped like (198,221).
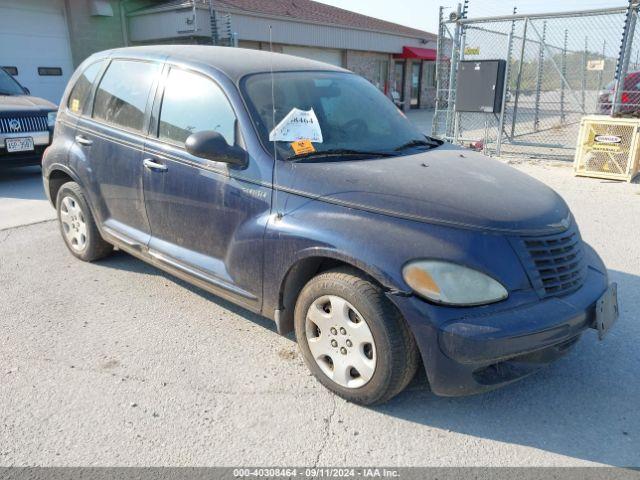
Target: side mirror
(26,90)
(213,146)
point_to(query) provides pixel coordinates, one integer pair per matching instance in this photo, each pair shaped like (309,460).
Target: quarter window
(82,88)
(121,98)
(193,103)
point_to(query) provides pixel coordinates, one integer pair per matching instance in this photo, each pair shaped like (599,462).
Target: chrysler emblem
(14,125)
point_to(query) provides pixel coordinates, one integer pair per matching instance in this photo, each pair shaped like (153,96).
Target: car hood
(447,185)
(24,103)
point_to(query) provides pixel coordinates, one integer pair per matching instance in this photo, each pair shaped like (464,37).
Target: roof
(235,63)
(314,12)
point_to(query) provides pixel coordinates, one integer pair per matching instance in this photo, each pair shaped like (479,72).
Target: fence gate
(560,67)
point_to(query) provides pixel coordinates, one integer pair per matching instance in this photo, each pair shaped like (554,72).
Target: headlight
(51,119)
(451,284)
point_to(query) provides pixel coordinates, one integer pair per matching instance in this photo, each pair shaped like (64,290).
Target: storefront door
(416,83)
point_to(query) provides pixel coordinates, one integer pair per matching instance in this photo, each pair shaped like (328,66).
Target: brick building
(397,59)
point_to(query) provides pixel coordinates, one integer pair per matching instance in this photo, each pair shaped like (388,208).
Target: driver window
(192,103)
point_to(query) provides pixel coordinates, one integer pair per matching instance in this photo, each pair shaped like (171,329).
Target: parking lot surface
(22,199)
(116,363)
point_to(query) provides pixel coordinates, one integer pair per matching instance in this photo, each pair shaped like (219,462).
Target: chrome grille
(555,263)
(23,124)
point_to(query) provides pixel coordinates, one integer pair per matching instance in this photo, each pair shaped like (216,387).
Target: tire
(77,226)
(388,364)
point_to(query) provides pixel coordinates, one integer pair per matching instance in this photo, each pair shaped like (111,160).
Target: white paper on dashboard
(297,125)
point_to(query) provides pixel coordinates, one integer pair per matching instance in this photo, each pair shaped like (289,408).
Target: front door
(205,217)
(112,143)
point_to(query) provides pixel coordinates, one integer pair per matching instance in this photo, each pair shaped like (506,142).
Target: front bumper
(41,141)
(479,350)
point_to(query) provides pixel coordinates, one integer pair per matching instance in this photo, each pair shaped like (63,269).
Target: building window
(50,71)
(397,85)
(430,79)
(416,83)
(11,70)
(381,75)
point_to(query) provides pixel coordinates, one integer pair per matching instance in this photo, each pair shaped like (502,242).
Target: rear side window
(82,88)
(193,103)
(122,95)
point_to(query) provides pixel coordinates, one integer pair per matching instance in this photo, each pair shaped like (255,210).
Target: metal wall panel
(297,33)
(169,24)
(163,25)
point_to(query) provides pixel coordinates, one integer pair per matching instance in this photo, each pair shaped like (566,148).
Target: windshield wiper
(339,152)
(8,94)
(417,143)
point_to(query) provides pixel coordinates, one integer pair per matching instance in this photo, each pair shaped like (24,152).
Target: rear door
(112,142)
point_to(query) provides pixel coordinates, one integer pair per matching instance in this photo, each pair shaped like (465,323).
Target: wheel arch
(57,175)
(304,269)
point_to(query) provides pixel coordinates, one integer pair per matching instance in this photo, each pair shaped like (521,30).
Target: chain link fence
(560,67)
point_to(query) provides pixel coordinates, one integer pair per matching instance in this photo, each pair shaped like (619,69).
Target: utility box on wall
(480,86)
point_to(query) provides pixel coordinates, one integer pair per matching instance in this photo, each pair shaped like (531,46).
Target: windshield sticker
(297,125)
(300,147)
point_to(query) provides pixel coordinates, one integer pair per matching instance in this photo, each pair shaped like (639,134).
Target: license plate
(19,144)
(607,310)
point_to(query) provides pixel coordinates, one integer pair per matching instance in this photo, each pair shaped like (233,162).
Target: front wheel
(353,339)
(77,225)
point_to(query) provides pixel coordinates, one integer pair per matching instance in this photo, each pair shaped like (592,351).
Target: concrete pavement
(22,198)
(116,363)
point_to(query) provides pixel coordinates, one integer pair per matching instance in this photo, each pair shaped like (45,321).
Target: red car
(630,100)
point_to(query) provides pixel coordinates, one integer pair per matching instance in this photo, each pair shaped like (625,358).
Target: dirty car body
(256,231)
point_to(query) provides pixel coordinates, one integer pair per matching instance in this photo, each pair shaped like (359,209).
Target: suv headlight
(51,119)
(452,284)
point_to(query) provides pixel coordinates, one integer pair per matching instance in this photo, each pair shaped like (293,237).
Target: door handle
(151,165)
(82,140)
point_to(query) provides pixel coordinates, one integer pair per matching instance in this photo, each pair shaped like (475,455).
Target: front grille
(555,263)
(33,123)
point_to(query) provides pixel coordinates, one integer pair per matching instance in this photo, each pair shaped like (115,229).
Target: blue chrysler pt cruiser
(299,191)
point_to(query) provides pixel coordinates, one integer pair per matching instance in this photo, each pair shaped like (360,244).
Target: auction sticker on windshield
(297,125)
(300,147)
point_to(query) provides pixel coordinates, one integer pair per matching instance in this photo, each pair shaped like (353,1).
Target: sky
(423,14)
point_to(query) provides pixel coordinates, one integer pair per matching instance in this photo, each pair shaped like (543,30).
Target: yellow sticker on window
(300,147)
(75,105)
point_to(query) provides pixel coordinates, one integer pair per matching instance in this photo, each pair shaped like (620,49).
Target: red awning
(417,52)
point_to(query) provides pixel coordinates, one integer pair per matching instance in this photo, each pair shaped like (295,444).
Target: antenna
(274,176)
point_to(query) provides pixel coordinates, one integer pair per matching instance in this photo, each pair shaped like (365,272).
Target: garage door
(34,40)
(326,55)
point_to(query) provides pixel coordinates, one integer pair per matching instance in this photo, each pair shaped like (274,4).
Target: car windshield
(334,114)
(8,86)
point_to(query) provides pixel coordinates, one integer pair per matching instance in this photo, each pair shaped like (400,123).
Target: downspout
(123,23)
(65,11)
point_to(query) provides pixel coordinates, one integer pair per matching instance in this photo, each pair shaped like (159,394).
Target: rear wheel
(77,225)
(353,339)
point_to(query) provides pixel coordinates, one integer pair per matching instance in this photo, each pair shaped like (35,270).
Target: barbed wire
(488,8)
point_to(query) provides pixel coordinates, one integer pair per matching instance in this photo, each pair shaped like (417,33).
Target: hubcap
(73,223)
(340,341)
